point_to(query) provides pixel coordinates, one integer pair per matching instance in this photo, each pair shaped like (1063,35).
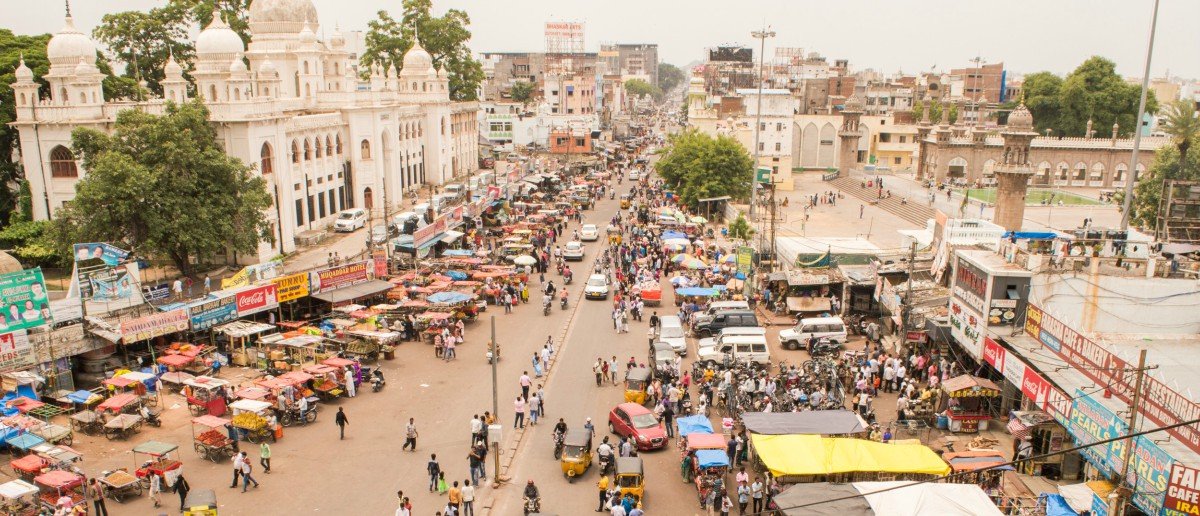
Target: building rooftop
(765,91)
(993,263)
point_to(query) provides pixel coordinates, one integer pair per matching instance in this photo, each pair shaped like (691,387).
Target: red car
(638,423)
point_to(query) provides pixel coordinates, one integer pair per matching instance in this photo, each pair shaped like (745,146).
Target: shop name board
(334,278)
(965,327)
(1183,492)
(1036,388)
(256,299)
(15,351)
(1149,466)
(970,285)
(1161,404)
(211,313)
(155,325)
(291,287)
(426,234)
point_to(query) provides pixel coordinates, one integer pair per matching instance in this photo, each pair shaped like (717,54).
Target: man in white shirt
(468,499)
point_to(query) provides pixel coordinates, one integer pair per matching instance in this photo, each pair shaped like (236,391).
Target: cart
(200,502)
(87,422)
(253,420)
(28,466)
(205,395)
(211,443)
(325,381)
(119,485)
(122,426)
(18,497)
(22,442)
(123,403)
(57,484)
(55,434)
(160,462)
(174,380)
(58,457)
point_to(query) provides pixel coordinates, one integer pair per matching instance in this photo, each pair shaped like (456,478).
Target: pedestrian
(181,488)
(237,467)
(247,478)
(264,457)
(525,382)
(756,491)
(341,420)
(468,499)
(519,411)
(410,436)
(454,496)
(668,417)
(95,493)
(541,396)
(434,469)
(533,409)
(743,494)
(442,487)
(603,486)
(726,504)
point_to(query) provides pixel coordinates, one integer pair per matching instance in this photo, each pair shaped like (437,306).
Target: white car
(634,175)
(573,252)
(589,233)
(350,220)
(597,287)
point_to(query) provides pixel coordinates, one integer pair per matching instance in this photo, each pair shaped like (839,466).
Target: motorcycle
(293,416)
(546,308)
(558,444)
(605,463)
(377,380)
(823,347)
(533,505)
(562,302)
(151,418)
(567,277)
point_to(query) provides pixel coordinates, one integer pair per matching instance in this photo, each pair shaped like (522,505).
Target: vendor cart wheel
(255,437)
(311,416)
(110,435)
(68,440)
(198,447)
(196,410)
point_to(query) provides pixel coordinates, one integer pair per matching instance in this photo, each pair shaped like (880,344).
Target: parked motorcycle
(377,380)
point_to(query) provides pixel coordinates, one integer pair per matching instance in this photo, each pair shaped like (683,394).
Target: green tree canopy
(444,37)
(161,185)
(522,91)
(740,228)
(697,166)
(1180,121)
(12,47)
(638,88)
(1093,91)
(1149,188)
(669,76)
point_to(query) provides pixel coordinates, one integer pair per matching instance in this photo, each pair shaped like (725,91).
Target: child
(441,483)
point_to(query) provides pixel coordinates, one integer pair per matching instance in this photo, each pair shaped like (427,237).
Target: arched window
(365,147)
(267,92)
(212,92)
(414,87)
(237,94)
(337,138)
(328,146)
(307,90)
(336,67)
(368,202)
(62,96)
(307,150)
(306,66)
(317,146)
(62,163)
(22,99)
(295,152)
(265,163)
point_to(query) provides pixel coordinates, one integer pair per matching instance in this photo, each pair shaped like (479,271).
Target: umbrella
(680,281)
(735,284)
(681,257)
(683,241)
(693,263)
(675,246)
(525,260)
(448,297)
(730,258)
(699,220)
(457,275)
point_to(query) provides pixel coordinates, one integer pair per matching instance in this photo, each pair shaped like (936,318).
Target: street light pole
(762,36)
(1137,125)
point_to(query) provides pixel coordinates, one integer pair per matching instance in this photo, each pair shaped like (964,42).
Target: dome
(337,40)
(66,47)
(267,67)
(853,104)
(172,68)
(86,67)
(237,66)
(218,39)
(417,59)
(281,16)
(1020,118)
(23,72)
(307,36)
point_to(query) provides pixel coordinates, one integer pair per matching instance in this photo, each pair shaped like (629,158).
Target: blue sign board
(209,313)
(1149,466)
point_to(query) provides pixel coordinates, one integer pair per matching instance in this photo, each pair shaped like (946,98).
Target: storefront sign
(1149,466)
(213,312)
(337,277)
(970,285)
(380,259)
(994,354)
(1014,368)
(23,301)
(100,251)
(1162,405)
(1183,492)
(15,351)
(154,325)
(455,218)
(919,337)
(965,327)
(426,234)
(256,299)
(251,274)
(107,284)
(291,287)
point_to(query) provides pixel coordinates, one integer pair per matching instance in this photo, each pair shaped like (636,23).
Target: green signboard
(763,175)
(745,257)
(23,300)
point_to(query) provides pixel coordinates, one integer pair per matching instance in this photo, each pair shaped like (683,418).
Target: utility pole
(762,36)
(1137,125)
(1120,496)
(774,255)
(907,310)
(495,405)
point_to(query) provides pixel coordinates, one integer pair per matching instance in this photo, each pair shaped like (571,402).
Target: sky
(886,35)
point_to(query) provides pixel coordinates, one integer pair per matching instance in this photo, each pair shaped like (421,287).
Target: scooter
(567,277)
(377,380)
(546,308)
(562,302)
(533,505)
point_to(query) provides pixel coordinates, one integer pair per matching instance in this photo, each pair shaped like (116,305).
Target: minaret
(923,130)
(1014,171)
(268,80)
(87,84)
(239,80)
(308,55)
(849,134)
(173,84)
(25,91)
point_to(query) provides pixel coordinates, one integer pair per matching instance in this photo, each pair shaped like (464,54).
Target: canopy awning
(239,329)
(450,236)
(693,424)
(355,291)
(808,304)
(893,498)
(787,455)
(821,422)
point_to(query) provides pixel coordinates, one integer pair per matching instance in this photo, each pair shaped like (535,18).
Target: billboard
(966,326)
(731,54)
(23,300)
(1149,466)
(428,233)
(107,284)
(154,325)
(334,278)
(291,287)
(745,259)
(15,351)
(256,299)
(100,251)
(213,312)
(1183,491)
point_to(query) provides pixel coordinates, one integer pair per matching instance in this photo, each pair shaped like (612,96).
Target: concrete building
(632,59)
(323,140)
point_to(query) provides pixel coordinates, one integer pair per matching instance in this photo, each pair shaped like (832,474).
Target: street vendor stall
(817,422)
(967,400)
(288,351)
(120,484)
(174,380)
(55,434)
(254,421)
(58,485)
(327,381)
(1046,438)
(18,498)
(58,456)
(124,403)
(121,426)
(205,395)
(809,458)
(21,443)
(983,462)
(28,466)
(87,421)
(160,462)
(211,442)
(710,467)
(883,498)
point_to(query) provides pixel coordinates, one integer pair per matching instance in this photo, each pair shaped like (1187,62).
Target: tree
(162,185)
(522,91)
(697,166)
(740,228)
(145,40)
(669,76)
(1095,92)
(935,112)
(1149,188)
(954,113)
(1041,91)
(12,48)
(444,37)
(1181,123)
(638,88)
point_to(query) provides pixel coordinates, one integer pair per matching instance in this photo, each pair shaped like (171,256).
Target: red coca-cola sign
(257,299)
(993,354)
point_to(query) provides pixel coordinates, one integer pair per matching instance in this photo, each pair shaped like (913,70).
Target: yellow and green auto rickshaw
(625,200)
(631,478)
(576,453)
(636,381)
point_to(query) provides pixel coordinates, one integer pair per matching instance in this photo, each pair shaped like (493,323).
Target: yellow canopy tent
(815,455)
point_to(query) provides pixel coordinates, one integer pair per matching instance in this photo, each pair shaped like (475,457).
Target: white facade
(323,139)
(504,123)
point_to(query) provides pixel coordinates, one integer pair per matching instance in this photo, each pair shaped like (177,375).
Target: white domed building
(289,102)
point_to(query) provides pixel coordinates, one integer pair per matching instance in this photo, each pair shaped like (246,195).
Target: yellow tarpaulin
(816,455)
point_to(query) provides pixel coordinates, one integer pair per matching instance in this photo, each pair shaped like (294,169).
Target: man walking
(247,478)
(434,470)
(181,488)
(264,457)
(410,436)
(519,410)
(525,383)
(237,469)
(341,421)
(468,499)
(603,486)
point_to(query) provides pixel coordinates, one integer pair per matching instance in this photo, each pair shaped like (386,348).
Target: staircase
(915,211)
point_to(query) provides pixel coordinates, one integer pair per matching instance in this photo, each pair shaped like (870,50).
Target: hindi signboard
(428,233)
(23,300)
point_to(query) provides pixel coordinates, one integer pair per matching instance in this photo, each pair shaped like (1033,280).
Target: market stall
(28,466)
(55,485)
(87,421)
(812,458)
(883,498)
(288,351)
(205,395)
(254,421)
(19,498)
(1046,438)
(967,400)
(124,403)
(327,381)
(817,422)
(209,439)
(121,426)
(160,462)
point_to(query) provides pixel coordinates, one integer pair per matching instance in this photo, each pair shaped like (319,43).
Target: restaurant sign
(154,325)
(291,287)
(1149,466)
(334,278)
(213,312)
(1183,492)
(965,327)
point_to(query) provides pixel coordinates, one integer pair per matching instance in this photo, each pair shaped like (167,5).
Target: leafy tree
(444,37)
(1041,98)
(522,91)
(1149,188)
(698,166)
(954,113)
(935,113)
(740,228)
(166,188)
(236,13)
(669,76)
(1094,91)
(918,111)
(638,88)
(145,40)
(12,48)
(1181,123)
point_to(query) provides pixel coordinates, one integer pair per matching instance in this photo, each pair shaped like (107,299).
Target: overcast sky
(887,35)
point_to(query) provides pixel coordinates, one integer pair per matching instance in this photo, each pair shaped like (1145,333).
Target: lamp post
(762,36)
(1137,124)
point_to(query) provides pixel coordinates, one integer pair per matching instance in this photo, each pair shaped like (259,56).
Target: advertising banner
(1183,492)
(380,260)
(213,312)
(965,325)
(455,218)
(334,278)
(1149,466)
(251,274)
(256,299)
(994,354)
(154,325)
(23,300)
(745,259)
(15,351)
(291,287)
(970,285)
(108,284)
(100,251)
(426,234)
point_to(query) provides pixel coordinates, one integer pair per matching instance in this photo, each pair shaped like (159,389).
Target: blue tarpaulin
(693,424)
(80,396)
(448,297)
(1056,505)
(711,458)
(457,275)
(1031,235)
(696,291)
(667,235)
(25,441)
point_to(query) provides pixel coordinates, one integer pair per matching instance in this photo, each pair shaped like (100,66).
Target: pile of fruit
(249,421)
(212,438)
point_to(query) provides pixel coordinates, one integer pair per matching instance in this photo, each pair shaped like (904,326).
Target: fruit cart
(87,422)
(58,485)
(159,463)
(327,382)
(253,420)
(209,439)
(55,434)
(19,498)
(121,426)
(174,380)
(120,485)
(206,395)
(28,466)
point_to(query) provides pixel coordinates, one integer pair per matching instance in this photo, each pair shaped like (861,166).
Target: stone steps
(912,212)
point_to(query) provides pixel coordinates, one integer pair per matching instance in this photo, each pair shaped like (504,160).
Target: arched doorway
(368,202)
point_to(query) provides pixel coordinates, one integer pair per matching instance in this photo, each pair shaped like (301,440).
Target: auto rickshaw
(625,200)
(636,381)
(631,478)
(200,502)
(614,234)
(576,454)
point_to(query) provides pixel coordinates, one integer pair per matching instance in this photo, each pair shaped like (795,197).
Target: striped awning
(1018,429)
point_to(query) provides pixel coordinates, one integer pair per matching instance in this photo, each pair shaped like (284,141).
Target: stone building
(323,139)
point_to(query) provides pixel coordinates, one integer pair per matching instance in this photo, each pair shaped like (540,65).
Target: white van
(454,190)
(736,348)
(832,329)
(718,306)
(350,220)
(670,332)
